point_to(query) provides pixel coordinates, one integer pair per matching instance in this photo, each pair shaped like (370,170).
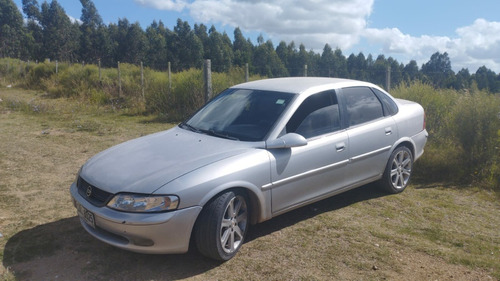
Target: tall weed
(474,124)
(186,94)
(38,74)
(437,105)
(183,98)
(463,134)
(463,126)
(12,71)
(76,80)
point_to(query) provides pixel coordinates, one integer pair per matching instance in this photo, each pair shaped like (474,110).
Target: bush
(158,100)
(38,74)
(12,71)
(463,134)
(130,81)
(474,125)
(187,93)
(76,80)
(185,96)
(437,104)
(464,127)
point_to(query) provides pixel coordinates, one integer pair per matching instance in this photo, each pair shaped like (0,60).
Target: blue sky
(469,31)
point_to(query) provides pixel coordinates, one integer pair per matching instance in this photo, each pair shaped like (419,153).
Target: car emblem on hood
(89,191)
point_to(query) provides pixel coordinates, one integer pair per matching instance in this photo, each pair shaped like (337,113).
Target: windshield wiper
(185,125)
(210,132)
(222,135)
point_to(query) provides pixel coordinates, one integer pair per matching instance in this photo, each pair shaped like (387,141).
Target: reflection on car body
(255,151)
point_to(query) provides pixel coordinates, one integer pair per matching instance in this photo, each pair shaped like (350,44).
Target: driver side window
(317,115)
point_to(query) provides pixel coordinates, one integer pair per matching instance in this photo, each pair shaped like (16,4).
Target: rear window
(362,105)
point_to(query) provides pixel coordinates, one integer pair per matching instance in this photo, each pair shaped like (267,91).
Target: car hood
(145,164)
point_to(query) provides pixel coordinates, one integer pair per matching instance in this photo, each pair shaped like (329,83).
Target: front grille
(94,195)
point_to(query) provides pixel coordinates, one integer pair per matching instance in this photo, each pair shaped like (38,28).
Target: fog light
(143,242)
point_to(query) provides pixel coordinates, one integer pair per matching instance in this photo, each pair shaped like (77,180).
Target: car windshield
(240,114)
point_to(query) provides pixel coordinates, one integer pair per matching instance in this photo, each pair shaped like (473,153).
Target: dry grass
(426,233)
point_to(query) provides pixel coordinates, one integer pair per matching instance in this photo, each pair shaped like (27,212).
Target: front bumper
(155,233)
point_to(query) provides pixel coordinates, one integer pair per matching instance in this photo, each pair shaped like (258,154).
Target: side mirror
(287,141)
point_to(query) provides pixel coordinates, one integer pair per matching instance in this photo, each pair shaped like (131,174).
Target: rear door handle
(388,131)
(340,146)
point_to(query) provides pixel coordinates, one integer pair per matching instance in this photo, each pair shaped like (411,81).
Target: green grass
(429,232)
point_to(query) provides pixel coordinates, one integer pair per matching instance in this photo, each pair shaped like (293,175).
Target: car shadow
(363,193)
(64,250)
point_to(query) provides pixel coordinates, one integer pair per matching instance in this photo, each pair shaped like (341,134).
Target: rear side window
(362,105)
(390,106)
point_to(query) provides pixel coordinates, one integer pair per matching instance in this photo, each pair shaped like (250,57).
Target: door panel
(369,148)
(303,173)
(371,134)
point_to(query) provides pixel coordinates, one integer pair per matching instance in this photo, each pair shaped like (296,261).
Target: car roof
(299,85)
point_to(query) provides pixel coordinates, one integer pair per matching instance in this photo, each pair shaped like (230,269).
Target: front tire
(222,226)
(398,170)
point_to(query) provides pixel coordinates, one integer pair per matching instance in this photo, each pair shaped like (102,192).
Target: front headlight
(141,203)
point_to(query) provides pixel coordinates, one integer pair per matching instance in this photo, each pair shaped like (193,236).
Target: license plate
(87,215)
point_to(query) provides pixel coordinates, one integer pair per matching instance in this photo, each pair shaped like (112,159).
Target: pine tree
(92,47)
(12,33)
(60,38)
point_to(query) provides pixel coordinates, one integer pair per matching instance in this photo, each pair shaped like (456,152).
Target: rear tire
(398,170)
(222,226)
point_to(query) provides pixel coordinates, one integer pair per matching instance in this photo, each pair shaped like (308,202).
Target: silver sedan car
(257,150)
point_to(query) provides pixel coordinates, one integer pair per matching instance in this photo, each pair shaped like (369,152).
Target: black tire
(398,170)
(222,226)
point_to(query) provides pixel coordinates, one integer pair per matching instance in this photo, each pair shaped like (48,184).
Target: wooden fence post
(388,79)
(119,81)
(305,70)
(246,72)
(207,73)
(142,81)
(100,76)
(169,78)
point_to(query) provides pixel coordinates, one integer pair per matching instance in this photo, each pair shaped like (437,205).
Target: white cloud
(395,43)
(343,24)
(481,39)
(73,20)
(169,5)
(476,45)
(314,23)
(479,44)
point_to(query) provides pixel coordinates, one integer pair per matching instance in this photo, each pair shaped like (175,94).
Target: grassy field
(435,232)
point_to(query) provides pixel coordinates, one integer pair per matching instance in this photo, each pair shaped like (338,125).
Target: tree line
(48,33)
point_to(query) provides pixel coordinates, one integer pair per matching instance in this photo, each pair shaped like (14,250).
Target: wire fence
(175,94)
(306,70)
